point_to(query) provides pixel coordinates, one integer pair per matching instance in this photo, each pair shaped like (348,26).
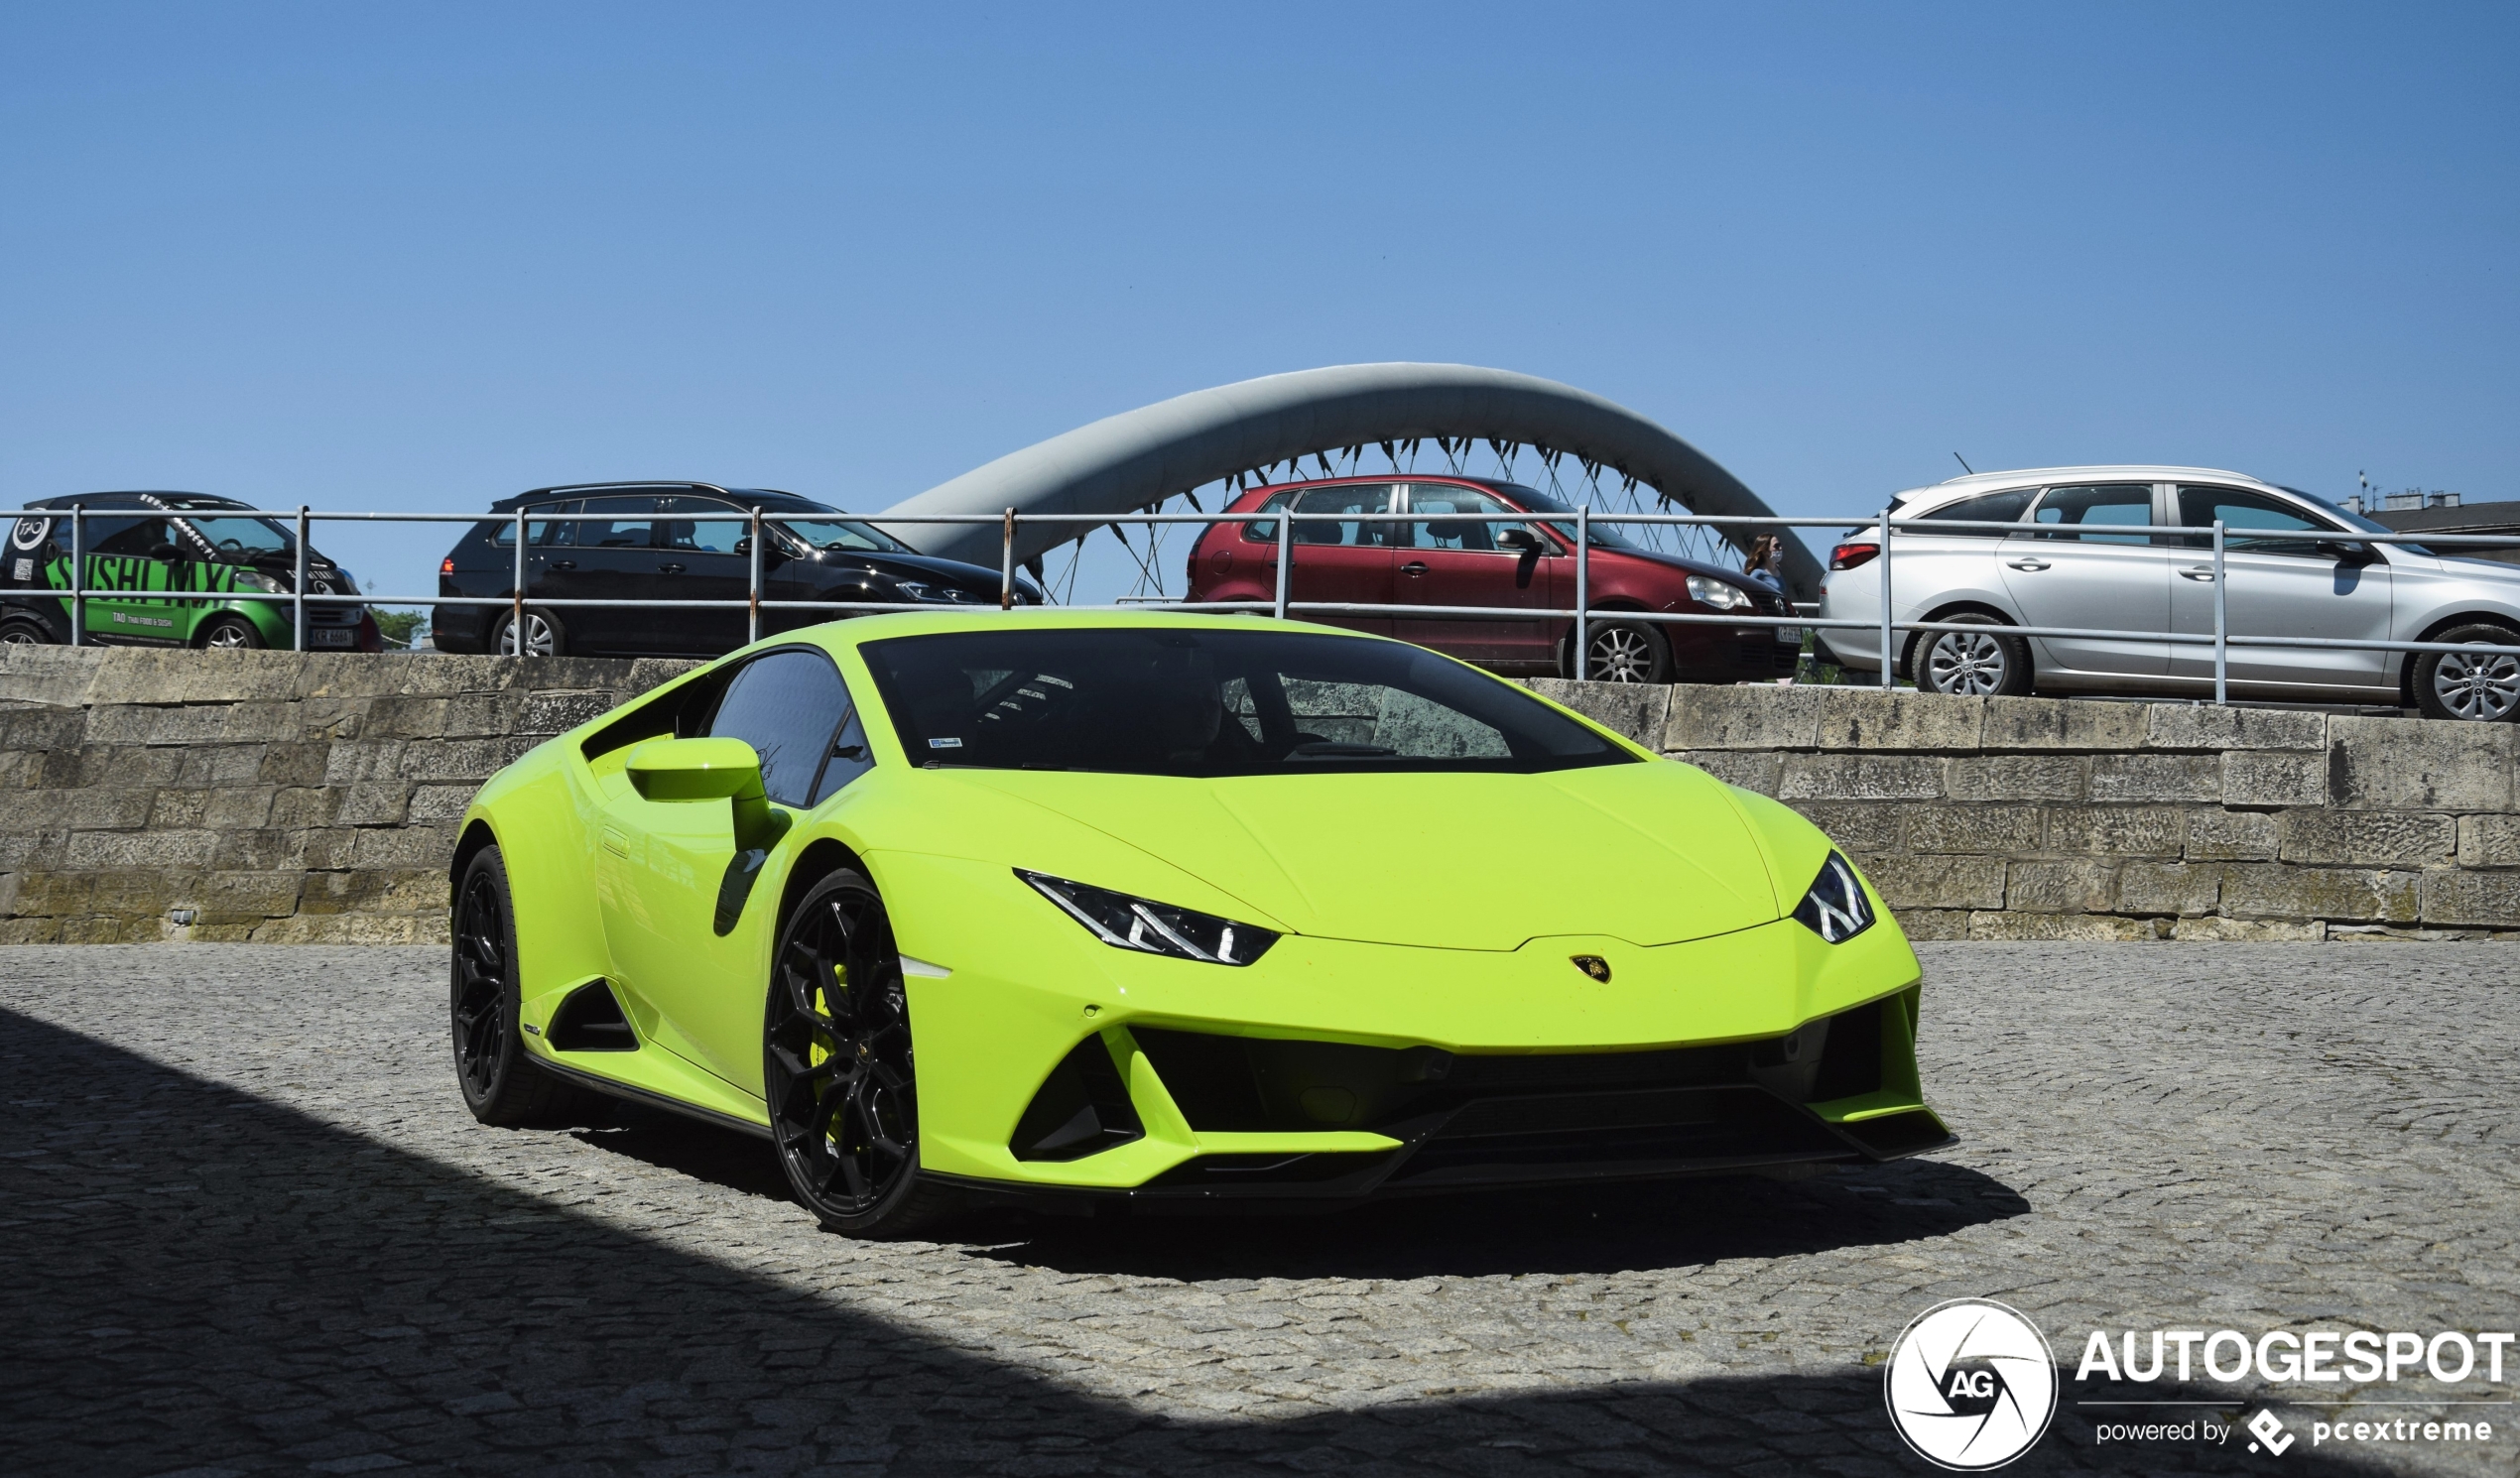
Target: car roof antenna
(1964,466)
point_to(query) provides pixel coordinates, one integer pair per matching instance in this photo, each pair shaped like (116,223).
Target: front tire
(231,633)
(500,1082)
(839,1070)
(1622,651)
(2483,688)
(1968,662)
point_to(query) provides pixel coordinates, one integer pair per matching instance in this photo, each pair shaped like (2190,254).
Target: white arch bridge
(1280,427)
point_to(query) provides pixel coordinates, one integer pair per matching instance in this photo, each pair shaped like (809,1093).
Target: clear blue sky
(420,257)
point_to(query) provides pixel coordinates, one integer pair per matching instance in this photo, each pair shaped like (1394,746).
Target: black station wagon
(679,541)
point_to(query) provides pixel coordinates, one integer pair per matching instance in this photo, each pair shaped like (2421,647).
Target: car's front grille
(1582,1135)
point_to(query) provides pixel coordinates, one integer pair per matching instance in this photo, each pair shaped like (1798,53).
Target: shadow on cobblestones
(199,1279)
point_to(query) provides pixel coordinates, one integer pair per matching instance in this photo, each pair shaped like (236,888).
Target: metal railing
(1282,605)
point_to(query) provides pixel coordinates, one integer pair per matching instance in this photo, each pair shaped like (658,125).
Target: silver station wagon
(2296,566)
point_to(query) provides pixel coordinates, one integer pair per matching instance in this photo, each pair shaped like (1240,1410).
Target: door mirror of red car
(1520,541)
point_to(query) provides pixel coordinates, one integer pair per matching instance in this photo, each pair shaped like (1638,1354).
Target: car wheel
(1970,662)
(837,1068)
(24,631)
(2479,689)
(231,633)
(1626,652)
(501,1084)
(543,635)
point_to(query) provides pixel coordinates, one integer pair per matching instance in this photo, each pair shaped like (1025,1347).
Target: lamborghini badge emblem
(1592,965)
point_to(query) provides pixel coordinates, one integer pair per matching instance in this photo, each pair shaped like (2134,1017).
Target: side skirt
(624,1091)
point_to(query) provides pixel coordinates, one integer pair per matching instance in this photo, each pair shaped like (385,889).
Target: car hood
(1653,853)
(834,565)
(1694,567)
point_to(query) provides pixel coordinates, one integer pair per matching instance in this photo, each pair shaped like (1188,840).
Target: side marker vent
(590,1021)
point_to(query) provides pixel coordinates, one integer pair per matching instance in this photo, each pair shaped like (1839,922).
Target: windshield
(243,538)
(2354,520)
(842,533)
(1603,537)
(1169,700)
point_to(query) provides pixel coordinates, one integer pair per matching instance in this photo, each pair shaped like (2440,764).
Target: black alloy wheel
(837,1066)
(1970,663)
(543,635)
(2479,688)
(24,631)
(500,1083)
(1626,652)
(231,633)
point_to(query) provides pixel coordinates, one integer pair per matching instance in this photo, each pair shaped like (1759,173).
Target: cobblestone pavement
(249,1228)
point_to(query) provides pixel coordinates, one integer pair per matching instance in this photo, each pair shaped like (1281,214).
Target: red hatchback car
(1486,542)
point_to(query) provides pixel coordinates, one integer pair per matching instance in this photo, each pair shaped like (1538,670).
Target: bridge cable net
(1564,476)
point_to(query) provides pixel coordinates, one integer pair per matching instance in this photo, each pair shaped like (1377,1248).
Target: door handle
(2199,572)
(2027,563)
(669,569)
(560,564)
(1413,568)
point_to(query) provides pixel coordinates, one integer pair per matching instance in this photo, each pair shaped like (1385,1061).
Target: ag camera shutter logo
(1971,1385)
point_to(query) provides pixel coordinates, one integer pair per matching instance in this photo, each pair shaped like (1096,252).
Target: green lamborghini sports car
(1165,910)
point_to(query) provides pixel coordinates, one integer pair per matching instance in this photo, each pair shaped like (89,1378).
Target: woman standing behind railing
(1766,563)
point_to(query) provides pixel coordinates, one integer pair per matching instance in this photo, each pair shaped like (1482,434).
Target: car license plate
(332,638)
(1791,635)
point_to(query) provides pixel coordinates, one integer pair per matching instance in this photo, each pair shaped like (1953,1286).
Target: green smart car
(1170,909)
(140,550)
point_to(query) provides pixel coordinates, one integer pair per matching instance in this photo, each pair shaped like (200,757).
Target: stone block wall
(268,796)
(2041,819)
(312,797)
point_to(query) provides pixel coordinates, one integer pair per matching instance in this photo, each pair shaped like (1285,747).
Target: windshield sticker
(944,744)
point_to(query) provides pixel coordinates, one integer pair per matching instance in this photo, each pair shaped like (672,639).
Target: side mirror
(696,770)
(2344,552)
(165,552)
(710,769)
(1520,541)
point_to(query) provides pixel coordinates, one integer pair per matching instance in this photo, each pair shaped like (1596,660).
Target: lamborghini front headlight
(1835,907)
(1150,928)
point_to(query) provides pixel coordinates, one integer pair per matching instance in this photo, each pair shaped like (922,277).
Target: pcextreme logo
(1971,1385)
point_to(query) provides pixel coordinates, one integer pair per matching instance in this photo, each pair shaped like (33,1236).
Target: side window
(1479,520)
(2250,520)
(850,758)
(2083,512)
(1994,508)
(617,523)
(699,526)
(1317,514)
(143,539)
(1266,533)
(538,531)
(788,706)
